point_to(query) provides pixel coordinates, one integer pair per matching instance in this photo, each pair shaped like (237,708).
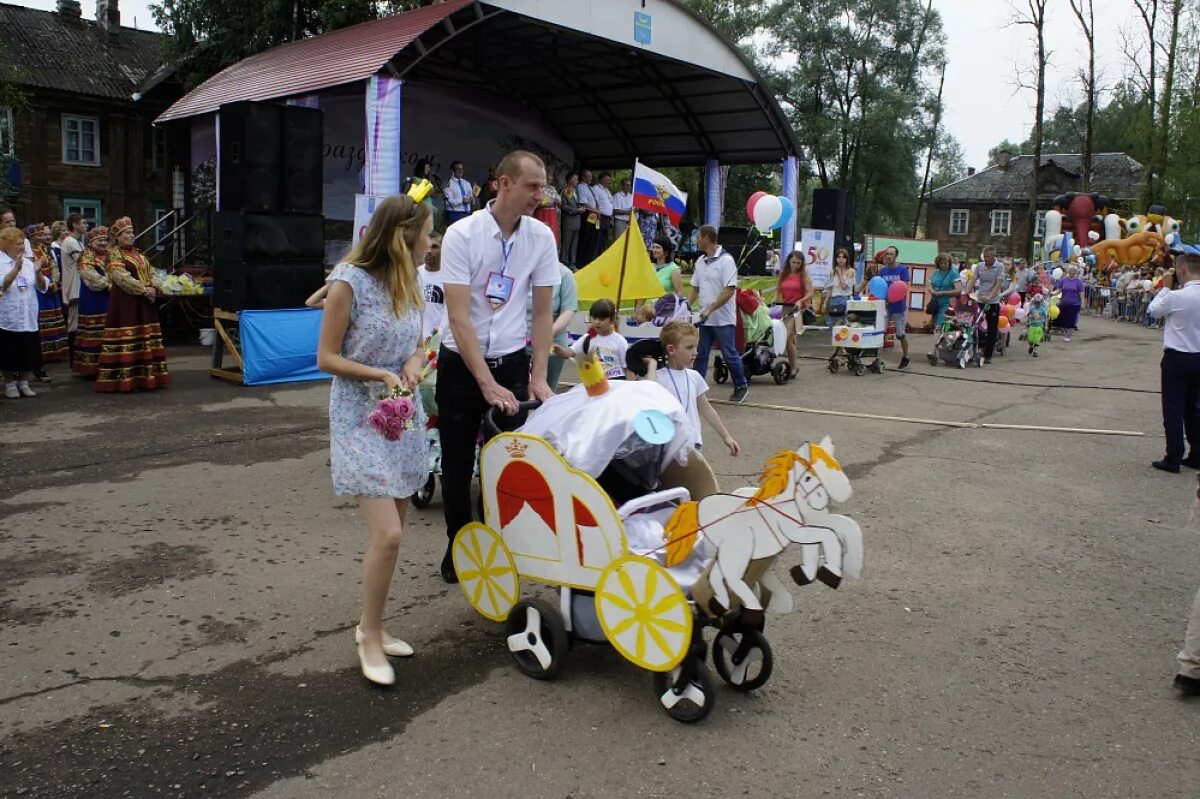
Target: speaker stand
(228,342)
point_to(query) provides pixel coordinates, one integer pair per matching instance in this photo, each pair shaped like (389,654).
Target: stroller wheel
(743,659)
(424,495)
(878,366)
(834,364)
(780,372)
(686,692)
(932,358)
(537,638)
(720,370)
(860,369)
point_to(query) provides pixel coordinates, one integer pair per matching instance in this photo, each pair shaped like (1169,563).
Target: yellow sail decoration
(601,278)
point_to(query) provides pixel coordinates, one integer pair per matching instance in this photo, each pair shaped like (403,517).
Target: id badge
(499,289)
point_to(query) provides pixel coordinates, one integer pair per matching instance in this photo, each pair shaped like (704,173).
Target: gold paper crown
(419,190)
(516,448)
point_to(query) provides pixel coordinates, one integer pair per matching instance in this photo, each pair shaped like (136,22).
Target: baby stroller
(958,339)
(761,340)
(602,496)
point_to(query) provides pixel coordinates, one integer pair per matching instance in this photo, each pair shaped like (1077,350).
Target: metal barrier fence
(1130,305)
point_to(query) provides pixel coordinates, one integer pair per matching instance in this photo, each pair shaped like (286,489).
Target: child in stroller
(761,340)
(957,342)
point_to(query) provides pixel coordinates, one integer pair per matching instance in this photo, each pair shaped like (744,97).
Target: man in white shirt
(622,208)
(1178,304)
(459,194)
(430,275)
(490,261)
(589,228)
(714,283)
(604,204)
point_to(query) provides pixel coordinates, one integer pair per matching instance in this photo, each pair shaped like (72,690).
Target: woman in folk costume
(132,357)
(93,303)
(52,322)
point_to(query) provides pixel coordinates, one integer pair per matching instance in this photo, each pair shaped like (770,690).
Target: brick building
(991,206)
(85,141)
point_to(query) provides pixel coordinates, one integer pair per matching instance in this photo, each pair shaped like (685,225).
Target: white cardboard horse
(790,506)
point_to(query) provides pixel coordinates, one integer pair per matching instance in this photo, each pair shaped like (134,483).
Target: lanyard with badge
(499,285)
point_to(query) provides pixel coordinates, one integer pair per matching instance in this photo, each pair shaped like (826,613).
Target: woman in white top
(20,283)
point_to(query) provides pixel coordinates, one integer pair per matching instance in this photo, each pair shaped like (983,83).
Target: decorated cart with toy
(857,342)
(603,496)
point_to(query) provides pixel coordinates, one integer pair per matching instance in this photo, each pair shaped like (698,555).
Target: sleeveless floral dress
(364,463)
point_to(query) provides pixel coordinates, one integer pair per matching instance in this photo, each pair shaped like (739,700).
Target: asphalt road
(179,586)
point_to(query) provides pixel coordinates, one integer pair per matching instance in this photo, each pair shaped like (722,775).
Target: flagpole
(625,250)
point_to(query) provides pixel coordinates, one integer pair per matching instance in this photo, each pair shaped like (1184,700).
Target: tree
(1034,16)
(1086,17)
(13,98)
(933,144)
(949,164)
(1162,131)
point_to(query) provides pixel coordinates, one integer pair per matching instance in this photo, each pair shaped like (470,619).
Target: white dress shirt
(459,194)
(622,204)
(604,199)
(1181,310)
(711,277)
(472,250)
(19,305)
(586,195)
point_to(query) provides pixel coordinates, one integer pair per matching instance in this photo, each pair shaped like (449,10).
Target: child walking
(1035,322)
(608,345)
(680,340)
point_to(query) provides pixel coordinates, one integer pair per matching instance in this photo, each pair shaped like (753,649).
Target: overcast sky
(983,105)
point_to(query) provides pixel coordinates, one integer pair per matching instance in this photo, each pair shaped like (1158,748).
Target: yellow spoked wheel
(644,613)
(486,572)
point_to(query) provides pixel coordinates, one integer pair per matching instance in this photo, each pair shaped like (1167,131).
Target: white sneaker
(25,391)
(11,392)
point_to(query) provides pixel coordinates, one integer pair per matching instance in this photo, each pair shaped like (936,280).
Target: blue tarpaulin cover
(280,346)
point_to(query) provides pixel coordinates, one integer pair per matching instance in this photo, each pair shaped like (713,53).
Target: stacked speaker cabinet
(833,209)
(268,234)
(749,250)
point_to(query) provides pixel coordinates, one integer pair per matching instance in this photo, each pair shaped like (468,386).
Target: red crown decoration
(516,448)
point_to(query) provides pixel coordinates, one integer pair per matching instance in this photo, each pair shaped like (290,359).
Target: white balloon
(1057,273)
(767,212)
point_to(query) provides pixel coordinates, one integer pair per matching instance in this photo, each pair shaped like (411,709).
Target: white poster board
(817,247)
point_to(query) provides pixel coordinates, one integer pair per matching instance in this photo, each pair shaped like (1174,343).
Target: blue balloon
(1068,246)
(878,288)
(789,210)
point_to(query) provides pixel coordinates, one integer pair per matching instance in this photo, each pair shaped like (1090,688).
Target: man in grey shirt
(988,283)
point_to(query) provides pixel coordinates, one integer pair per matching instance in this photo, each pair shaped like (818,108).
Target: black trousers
(992,314)
(1181,403)
(461,407)
(589,238)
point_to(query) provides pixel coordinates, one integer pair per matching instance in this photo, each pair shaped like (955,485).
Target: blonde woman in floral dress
(371,341)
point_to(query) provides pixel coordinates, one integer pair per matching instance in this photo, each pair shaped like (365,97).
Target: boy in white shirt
(608,345)
(680,341)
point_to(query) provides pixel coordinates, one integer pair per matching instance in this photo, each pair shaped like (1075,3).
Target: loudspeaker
(248,156)
(833,209)
(749,250)
(302,186)
(267,237)
(246,285)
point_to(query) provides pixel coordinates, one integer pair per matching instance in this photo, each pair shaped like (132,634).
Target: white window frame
(8,133)
(79,121)
(1039,226)
(966,221)
(80,205)
(995,217)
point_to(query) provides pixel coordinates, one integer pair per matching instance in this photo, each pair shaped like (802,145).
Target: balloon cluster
(880,289)
(769,212)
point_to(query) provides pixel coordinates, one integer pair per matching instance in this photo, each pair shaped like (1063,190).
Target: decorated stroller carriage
(602,495)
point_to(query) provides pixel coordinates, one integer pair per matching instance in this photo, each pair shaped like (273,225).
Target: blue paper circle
(654,427)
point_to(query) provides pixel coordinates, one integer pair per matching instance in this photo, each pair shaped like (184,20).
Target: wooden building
(992,206)
(85,142)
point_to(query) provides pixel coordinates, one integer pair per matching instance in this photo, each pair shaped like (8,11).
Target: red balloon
(1014,299)
(753,201)
(897,290)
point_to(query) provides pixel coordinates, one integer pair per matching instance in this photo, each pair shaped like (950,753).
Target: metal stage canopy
(617,79)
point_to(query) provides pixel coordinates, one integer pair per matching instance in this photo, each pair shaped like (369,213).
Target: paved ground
(178,587)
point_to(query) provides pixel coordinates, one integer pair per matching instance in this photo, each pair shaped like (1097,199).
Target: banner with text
(817,247)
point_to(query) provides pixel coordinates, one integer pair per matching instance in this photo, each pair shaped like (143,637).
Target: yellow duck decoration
(591,373)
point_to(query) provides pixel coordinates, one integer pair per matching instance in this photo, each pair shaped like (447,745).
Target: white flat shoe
(380,675)
(391,646)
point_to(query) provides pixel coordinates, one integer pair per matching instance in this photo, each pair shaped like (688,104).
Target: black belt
(492,363)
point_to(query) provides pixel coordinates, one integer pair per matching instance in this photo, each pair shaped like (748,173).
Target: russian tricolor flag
(654,192)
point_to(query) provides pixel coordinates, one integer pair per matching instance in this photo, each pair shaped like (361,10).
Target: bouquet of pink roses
(394,414)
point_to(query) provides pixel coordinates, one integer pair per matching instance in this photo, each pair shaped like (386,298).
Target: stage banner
(280,346)
(817,247)
(383,135)
(364,209)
